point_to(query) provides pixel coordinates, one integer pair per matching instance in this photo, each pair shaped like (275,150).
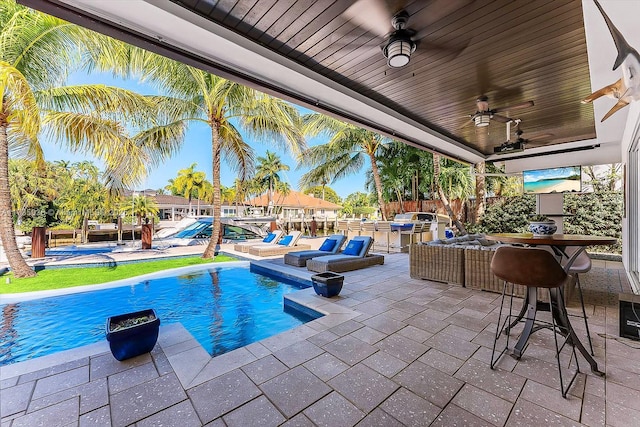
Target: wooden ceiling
(509,50)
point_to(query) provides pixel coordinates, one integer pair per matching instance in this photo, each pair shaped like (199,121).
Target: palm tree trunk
(212,248)
(443,197)
(376,179)
(480,191)
(18,265)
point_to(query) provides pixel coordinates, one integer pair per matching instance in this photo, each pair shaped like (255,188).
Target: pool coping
(192,364)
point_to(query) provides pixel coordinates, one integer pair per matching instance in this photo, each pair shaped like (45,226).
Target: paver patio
(390,351)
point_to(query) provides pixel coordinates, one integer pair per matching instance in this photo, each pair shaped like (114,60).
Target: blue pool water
(224,308)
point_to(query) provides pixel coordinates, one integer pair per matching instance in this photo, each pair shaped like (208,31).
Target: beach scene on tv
(553,180)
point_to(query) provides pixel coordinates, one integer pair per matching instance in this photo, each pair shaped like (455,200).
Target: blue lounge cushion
(328,245)
(353,248)
(285,240)
(269,237)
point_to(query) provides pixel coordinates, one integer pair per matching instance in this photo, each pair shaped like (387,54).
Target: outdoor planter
(327,284)
(132,334)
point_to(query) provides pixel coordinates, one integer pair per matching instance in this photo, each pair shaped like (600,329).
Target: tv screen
(553,180)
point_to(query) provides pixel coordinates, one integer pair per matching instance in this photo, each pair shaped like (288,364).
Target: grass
(69,277)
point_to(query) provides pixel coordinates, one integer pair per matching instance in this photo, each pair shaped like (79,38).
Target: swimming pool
(224,308)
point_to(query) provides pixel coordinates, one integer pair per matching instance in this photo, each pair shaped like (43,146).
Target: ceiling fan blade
(466,123)
(501,119)
(373,15)
(437,9)
(515,106)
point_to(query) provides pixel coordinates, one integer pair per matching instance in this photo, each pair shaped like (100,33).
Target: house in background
(174,208)
(296,205)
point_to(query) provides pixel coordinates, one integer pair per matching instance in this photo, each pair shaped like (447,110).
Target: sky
(195,149)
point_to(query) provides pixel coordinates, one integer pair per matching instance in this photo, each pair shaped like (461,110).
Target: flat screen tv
(553,180)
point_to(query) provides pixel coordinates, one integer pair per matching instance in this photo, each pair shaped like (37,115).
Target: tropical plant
(445,178)
(139,206)
(345,153)
(268,170)
(188,182)
(37,52)
(226,107)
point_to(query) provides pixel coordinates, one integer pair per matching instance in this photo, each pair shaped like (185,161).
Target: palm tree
(36,53)
(187,183)
(345,153)
(196,96)
(140,206)
(268,170)
(441,194)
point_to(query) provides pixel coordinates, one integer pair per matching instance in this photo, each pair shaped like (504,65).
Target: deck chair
(285,245)
(349,259)
(270,240)
(330,246)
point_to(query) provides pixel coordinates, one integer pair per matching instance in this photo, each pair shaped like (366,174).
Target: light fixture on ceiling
(482,119)
(398,50)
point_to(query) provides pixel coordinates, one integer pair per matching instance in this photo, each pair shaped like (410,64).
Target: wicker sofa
(464,261)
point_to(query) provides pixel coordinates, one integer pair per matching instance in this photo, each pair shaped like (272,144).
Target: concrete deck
(390,351)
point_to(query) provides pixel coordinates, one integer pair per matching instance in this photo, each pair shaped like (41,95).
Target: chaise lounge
(287,244)
(354,257)
(330,246)
(270,240)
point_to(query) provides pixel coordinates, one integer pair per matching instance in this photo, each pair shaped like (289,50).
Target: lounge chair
(287,244)
(349,259)
(330,246)
(270,240)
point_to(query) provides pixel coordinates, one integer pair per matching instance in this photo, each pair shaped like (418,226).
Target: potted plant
(541,225)
(132,334)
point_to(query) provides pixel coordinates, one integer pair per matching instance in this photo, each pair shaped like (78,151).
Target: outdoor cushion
(328,245)
(285,240)
(354,247)
(269,237)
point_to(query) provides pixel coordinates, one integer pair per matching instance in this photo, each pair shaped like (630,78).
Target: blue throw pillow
(354,247)
(328,245)
(269,237)
(285,240)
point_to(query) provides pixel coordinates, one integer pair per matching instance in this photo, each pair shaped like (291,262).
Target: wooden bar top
(552,240)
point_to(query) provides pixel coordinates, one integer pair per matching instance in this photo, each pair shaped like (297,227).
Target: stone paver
(393,351)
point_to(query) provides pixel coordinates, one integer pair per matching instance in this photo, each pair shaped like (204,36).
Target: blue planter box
(327,284)
(131,341)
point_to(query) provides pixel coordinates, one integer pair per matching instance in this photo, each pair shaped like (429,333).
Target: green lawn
(69,277)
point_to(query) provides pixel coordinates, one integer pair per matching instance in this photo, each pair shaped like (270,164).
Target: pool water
(224,308)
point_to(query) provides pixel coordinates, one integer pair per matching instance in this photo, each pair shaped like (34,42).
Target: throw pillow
(353,248)
(328,245)
(285,240)
(269,237)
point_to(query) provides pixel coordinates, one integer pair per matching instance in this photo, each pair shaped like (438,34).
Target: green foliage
(329,193)
(509,215)
(357,203)
(595,213)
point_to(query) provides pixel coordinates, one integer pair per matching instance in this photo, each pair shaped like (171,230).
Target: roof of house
(294,199)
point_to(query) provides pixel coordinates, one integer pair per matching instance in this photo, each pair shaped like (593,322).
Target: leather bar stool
(582,264)
(535,269)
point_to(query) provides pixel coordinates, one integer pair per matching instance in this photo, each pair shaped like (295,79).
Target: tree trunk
(376,179)
(443,197)
(18,265)
(480,191)
(213,248)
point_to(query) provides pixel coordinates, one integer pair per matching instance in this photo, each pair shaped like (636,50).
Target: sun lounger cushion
(269,238)
(286,240)
(353,247)
(328,245)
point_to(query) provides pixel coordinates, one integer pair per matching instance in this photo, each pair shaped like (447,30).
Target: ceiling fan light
(482,120)
(398,52)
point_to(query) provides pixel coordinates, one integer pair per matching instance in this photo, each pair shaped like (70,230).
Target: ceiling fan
(520,143)
(483,116)
(400,41)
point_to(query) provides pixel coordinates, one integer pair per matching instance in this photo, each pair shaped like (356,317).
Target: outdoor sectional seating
(342,262)
(464,261)
(300,258)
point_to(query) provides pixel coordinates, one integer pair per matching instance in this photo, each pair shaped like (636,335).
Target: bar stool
(533,268)
(582,264)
